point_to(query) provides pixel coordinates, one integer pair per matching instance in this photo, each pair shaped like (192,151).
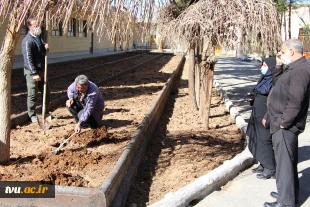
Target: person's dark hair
(29,21)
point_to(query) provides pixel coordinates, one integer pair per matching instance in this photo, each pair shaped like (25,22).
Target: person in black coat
(260,143)
(287,114)
(34,51)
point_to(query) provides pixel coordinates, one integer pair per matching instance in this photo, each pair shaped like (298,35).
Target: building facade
(77,40)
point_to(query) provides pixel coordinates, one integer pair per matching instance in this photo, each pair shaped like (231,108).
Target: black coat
(289,101)
(260,143)
(34,53)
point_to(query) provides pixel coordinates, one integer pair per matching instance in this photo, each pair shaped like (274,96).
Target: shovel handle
(44,89)
(45,69)
(60,146)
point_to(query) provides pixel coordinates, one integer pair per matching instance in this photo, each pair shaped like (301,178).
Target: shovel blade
(45,123)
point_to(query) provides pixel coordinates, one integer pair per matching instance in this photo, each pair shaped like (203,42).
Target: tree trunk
(207,70)
(239,48)
(285,26)
(197,49)
(203,86)
(289,19)
(201,46)
(160,45)
(197,84)
(191,77)
(127,41)
(197,72)
(114,43)
(6,62)
(208,95)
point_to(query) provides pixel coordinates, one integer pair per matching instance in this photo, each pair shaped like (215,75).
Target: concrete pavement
(237,78)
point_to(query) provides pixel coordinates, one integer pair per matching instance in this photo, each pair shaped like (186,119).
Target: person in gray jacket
(85,103)
(287,113)
(34,51)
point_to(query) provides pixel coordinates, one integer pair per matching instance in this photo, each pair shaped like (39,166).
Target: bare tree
(107,17)
(290,18)
(217,22)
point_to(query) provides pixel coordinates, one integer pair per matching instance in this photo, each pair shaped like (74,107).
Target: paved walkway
(237,78)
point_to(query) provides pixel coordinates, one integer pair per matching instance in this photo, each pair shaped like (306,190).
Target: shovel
(45,123)
(61,145)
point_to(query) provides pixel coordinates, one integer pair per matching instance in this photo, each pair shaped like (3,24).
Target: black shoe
(265,176)
(274,195)
(275,204)
(259,169)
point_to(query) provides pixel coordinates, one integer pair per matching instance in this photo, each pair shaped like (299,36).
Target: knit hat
(81,79)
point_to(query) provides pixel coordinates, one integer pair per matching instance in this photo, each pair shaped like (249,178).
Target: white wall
(296,22)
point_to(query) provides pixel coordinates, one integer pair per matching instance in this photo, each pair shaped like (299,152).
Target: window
(56,28)
(72,27)
(82,28)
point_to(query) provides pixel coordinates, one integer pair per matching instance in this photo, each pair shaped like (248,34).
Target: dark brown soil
(65,167)
(181,149)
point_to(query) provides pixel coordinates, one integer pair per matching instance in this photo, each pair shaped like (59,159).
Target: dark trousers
(33,87)
(285,145)
(76,109)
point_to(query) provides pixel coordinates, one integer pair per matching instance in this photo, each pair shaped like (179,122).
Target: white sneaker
(34,119)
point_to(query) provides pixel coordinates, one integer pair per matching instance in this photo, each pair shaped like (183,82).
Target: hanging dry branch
(108,16)
(228,22)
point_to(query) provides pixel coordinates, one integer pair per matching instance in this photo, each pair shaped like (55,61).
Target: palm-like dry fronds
(108,16)
(223,21)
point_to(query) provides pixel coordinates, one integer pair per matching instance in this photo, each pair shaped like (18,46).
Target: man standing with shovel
(85,103)
(34,52)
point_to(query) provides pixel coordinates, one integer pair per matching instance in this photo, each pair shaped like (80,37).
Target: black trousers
(76,109)
(285,145)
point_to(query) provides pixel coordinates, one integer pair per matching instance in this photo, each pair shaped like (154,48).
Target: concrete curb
(218,177)
(117,186)
(23,118)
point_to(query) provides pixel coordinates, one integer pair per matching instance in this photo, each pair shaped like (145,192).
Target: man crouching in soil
(85,103)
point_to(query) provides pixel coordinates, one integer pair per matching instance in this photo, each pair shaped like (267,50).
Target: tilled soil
(69,167)
(127,99)
(180,150)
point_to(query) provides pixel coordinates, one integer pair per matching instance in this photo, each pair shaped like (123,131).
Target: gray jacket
(93,101)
